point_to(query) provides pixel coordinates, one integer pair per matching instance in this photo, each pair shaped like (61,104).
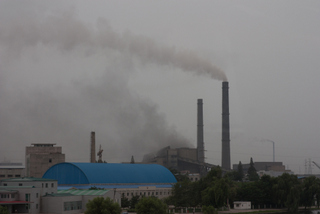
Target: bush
(148,205)
(102,205)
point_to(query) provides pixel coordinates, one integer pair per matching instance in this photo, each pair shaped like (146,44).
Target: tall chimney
(226,163)
(93,148)
(200,142)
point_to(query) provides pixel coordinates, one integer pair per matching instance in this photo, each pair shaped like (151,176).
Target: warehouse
(126,180)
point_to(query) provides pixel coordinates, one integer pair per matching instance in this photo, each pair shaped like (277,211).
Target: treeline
(219,190)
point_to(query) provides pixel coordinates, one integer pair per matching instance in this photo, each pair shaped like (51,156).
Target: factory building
(127,180)
(23,195)
(40,157)
(11,170)
(39,195)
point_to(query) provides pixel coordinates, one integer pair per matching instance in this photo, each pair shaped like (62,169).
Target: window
(20,184)
(42,185)
(10,176)
(5,184)
(2,176)
(52,184)
(50,160)
(46,185)
(36,206)
(37,195)
(17,176)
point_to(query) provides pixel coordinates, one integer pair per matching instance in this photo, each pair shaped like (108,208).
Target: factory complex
(48,184)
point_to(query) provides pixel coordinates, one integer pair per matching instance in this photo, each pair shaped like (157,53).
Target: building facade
(11,170)
(23,195)
(40,157)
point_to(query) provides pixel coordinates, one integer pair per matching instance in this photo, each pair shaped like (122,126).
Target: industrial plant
(192,160)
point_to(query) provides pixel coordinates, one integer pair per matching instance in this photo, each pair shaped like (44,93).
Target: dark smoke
(41,104)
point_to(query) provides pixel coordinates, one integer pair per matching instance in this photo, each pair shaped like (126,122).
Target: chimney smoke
(226,163)
(200,142)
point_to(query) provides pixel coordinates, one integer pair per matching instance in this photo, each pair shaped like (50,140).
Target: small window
(2,176)
(5,184)
(37,195)
(17,176)
(50,160)
(10,176)
(52,184)
(20,184)
(46,185)
(36,206)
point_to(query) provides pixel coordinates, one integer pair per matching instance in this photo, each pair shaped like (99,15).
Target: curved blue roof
(109,173)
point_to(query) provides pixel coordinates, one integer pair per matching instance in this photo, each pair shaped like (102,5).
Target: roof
(27,179)
(84,192)
(109,173)
(127,186)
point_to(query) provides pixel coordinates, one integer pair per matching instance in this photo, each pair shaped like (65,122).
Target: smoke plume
(48,94)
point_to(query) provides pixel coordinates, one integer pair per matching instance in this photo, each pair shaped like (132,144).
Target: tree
(147,205)
(311,188)
(102,205)
(252,172)
(240,171)
(209,210)
(4,210)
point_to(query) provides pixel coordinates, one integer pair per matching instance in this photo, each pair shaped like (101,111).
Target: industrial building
(193,159)
(23,195)
(39,195)
(126,180)
(11,170)
(40,157)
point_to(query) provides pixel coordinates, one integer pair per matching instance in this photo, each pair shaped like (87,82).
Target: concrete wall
(40,157)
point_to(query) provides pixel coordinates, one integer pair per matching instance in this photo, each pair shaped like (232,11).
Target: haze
(133,71)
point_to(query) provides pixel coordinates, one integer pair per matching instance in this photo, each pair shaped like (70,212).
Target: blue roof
(109,173)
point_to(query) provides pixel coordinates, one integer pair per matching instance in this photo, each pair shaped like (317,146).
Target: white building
(242,205)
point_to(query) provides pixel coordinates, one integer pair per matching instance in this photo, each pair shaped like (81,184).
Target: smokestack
(226,163)
(93,148)
(200,142)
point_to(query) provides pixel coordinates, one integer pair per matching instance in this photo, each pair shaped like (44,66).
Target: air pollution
(49,93)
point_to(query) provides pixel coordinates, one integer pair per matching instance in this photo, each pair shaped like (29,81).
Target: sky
(132,71)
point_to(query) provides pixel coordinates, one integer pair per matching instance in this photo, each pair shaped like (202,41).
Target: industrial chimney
(93,148)
(225,163)
(200,142)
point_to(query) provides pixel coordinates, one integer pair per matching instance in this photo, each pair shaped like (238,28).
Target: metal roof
(84,192)
(109,173)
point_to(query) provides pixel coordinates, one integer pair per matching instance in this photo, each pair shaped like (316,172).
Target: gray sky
(132,71)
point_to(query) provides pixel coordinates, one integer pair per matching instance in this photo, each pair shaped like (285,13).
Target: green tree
(134,200)
(252,172)
(209,210)
(311,187)
(148,205)
(4,210)
(240,172)
(102,205)
(124,201)
(282,188)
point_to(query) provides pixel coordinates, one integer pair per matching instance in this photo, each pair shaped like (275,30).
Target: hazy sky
(132,71)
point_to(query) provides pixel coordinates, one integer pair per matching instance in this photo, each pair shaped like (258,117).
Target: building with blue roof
(128,180)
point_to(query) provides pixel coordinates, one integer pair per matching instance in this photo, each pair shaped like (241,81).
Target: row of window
(47,185)
(10,176)
(72,205)
(7,195)
(148,193)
